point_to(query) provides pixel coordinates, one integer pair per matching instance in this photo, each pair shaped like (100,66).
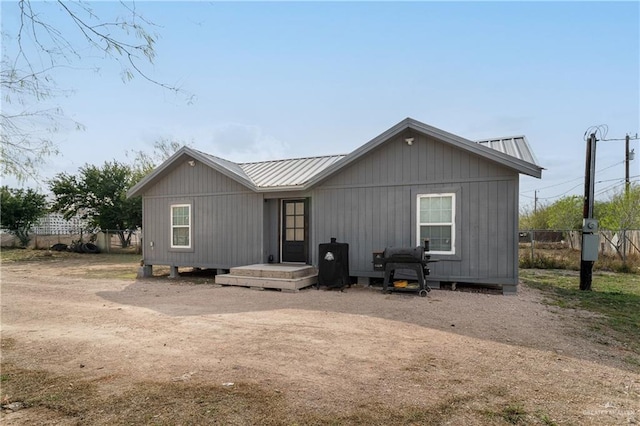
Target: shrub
(542,261)
(570,259)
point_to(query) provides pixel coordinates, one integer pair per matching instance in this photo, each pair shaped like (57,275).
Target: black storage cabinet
(333,265)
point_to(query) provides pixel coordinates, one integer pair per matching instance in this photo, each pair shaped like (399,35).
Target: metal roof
(298,171)
(303,173)
(515,146)
(287,173)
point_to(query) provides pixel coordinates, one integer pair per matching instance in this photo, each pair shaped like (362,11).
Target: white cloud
(245,143)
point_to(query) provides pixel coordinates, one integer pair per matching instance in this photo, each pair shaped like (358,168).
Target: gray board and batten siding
(372,205)
(227,219)
(367,199)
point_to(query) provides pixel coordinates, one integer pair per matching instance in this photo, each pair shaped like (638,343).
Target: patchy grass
(31,255)
(142,403)
(549,257)
(615,297)
(78,400)
(102,265)
(514,413)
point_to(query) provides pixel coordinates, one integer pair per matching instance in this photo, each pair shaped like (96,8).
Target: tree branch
(27,78)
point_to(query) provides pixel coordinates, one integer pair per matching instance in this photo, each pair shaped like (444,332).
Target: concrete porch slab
(286,277)
(274,270)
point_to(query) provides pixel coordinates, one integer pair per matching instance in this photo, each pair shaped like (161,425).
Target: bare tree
(38,48)
(144,162)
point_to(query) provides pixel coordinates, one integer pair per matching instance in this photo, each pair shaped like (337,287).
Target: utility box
(590,240)
(590,244)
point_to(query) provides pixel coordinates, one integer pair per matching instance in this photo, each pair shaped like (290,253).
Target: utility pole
(626,165)
(535,201)
(590,236)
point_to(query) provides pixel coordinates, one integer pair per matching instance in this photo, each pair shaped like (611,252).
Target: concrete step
(285,284)
(275,270)
(280,276)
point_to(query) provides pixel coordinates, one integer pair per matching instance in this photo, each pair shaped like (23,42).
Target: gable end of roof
(303,173)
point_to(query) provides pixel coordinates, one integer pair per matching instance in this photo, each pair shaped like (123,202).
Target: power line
(620,182)
(560,195)
(623,139)
(580,184)
(610,187)
(608,180)
(572,180)
(590,135)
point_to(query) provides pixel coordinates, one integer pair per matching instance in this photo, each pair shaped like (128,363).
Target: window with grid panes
(436,221)
(181,226)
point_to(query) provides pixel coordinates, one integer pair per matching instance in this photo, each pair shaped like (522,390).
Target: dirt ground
(325,351)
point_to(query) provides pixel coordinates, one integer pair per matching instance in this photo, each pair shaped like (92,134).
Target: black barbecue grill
(406,258)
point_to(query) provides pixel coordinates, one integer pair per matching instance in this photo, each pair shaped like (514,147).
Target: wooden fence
(611,242)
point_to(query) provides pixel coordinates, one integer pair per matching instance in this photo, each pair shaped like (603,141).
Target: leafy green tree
(535,220)
(621,213)
(99,194)
(19,210)
(566,213)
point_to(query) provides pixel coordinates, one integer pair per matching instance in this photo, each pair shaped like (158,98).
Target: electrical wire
(603,129)
(631,138)
(600,130)
(572,180)
(619,182)
(610,187)
(607,180)
(560,195)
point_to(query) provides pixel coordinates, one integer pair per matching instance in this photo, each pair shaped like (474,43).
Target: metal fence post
(533,240)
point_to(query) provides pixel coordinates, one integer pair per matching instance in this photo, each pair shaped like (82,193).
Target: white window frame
(452,223)
(172,226)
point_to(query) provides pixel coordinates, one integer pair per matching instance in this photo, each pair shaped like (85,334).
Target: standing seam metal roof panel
(515,146)
(290,174)
(284,173)
(298,171)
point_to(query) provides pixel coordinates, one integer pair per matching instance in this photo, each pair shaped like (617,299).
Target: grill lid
(404,254)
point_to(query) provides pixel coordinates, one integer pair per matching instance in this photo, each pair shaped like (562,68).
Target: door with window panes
(295,231)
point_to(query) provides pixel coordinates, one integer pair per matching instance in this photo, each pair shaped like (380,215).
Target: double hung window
(436,221)
(181,226)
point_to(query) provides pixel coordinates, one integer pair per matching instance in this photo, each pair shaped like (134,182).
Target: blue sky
(287,79)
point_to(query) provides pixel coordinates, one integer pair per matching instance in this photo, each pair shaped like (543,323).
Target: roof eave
(139,188)
(409,123)
(244,180)
(507,160)
(287,188)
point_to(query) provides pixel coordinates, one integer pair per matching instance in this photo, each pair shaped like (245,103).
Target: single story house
(411,182)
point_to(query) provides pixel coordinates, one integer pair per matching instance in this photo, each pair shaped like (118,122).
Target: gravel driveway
(324,350)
